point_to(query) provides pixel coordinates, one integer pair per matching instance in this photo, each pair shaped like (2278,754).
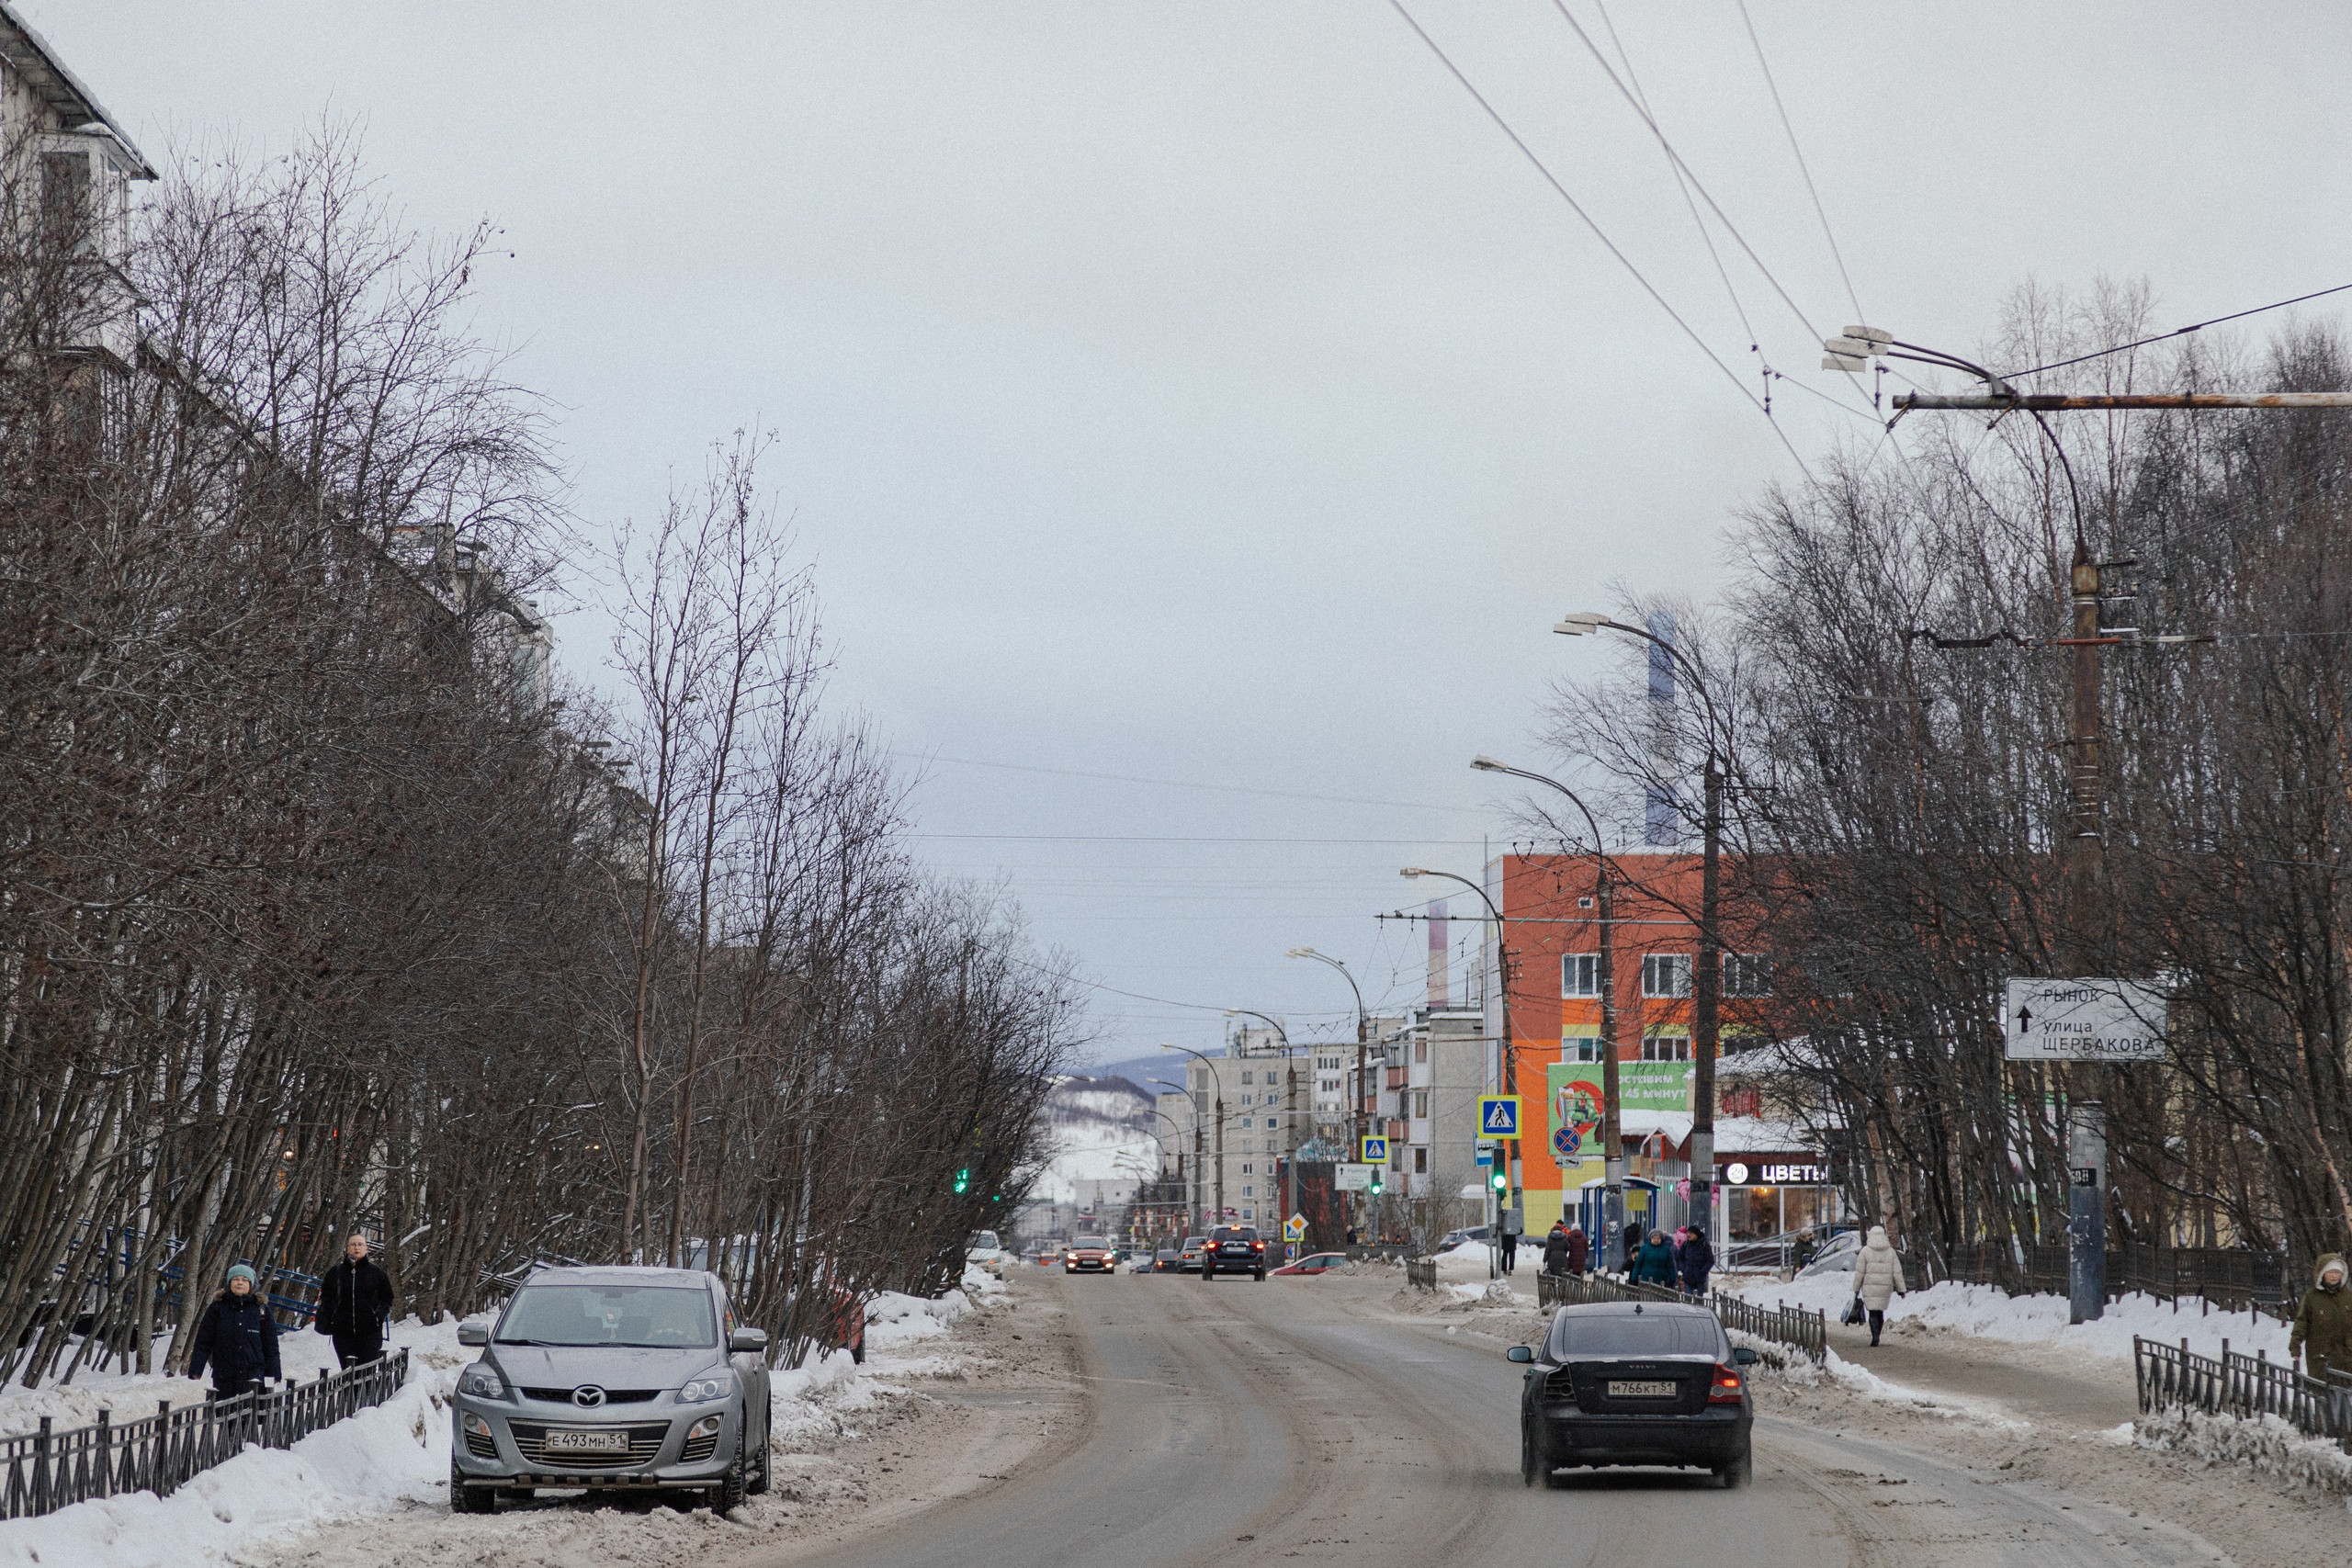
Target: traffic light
(1500,1179)
(962,1180)
(1375,1181)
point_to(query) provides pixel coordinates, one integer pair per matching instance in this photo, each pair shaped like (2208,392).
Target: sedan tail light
(1726,1387)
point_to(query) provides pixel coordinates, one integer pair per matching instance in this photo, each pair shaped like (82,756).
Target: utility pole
(1706,1004)
(2087,933)
(1357,1115)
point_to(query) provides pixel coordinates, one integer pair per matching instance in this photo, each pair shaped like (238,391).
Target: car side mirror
(473,1332)
(1522,1354)
(753,1341)
(1742,1356)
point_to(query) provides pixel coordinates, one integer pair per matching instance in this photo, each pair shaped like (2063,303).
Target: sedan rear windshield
(1635,1335)
(1237,1233)
(648,1317)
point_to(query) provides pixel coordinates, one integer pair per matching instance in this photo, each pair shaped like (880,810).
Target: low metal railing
(1805,1332)
(50,1470)
(2170,1377)
(1421,1274)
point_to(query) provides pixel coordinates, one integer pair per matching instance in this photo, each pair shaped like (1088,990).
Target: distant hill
(1102,1129)
(1140,1070)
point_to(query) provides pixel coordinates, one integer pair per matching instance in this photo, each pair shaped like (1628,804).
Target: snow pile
(2265,1442)
(125,1396)
(378,1458)
(1984,1313)
(892,1319)
(1870,1385)
(1472,1261)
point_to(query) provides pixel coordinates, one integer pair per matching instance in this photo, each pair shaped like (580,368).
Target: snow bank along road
(1239,1422)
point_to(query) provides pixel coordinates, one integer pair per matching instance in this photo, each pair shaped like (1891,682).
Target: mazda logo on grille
(588,1396)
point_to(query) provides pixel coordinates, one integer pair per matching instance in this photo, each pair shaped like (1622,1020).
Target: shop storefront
(1767,1195)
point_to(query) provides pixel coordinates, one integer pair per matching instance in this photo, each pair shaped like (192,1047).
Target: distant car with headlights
(1167,1260)
(611,1378)
(1089,1254)
(983,1248)
(1234,1249)
(1314,1263)
(1634,1382)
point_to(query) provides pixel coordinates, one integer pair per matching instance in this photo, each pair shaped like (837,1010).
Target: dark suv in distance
(1234,1249)
(1634,1382)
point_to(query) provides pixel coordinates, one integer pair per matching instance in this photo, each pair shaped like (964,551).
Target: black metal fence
(1804,1332)
(2171,1378)
(49,1470)
(1421,1273)
(2230,1278)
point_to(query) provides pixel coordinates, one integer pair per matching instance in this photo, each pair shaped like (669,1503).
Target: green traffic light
(963,1180)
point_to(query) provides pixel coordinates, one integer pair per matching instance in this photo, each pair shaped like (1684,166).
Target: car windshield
(1091,1244)
(1237,1233)
(1631,1333)
(652,1317)
(1193,1240)
(982,1241)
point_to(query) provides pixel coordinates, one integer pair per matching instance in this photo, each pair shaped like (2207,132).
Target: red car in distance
(1315,1263)
(1089,1254)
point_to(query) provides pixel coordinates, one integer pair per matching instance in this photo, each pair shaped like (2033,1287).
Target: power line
(1607,244)
(2178,332)
(1819,212)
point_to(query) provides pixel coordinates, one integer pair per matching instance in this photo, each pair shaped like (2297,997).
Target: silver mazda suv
(621,1377)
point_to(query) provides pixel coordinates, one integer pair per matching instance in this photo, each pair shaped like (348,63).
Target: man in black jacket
(354,1301)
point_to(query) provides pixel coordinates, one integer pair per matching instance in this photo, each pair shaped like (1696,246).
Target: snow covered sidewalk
(1981,1312)
(388,1468)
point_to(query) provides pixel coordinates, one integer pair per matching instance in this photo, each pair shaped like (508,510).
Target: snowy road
(1238,1422)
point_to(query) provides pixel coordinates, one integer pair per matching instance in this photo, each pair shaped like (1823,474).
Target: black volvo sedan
(1634,1382)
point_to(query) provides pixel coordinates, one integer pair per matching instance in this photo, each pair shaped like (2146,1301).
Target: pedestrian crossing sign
(1375,1149)
(1498,1116)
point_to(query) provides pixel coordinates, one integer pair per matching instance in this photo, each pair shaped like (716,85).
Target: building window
(1249,1077)
(1249,1191)
(1249,1213)
(1580,975)
(1665,974)
(1245,1170)
(1421,1103)
(1421,1049)
(1585,902)
(1747,975)
(1581,1049)
(1421,1162)
(1665,1048)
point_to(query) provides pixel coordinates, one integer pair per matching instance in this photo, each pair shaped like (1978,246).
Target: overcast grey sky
(1209,392)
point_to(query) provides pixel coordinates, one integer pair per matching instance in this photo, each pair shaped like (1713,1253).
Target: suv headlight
(482,1381)
(717,1385)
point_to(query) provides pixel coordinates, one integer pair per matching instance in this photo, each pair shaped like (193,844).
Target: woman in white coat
(1877,1278)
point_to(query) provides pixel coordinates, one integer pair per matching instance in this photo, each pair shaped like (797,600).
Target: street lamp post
(1290,1112)
(1217,1080)
(1612,1191)
(1513,1174)
(1357,1116)
(1706,983)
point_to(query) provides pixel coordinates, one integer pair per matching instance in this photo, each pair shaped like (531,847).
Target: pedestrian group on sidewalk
(237,1338)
